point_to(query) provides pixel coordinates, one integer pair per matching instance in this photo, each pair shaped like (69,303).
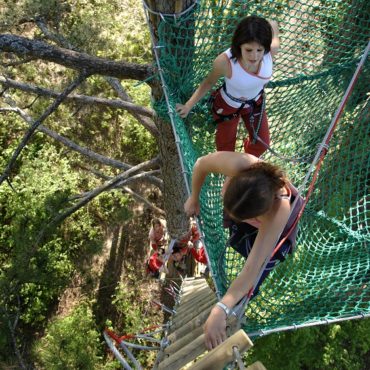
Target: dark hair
(251,29)
(251,193)
(176,247)
(156,221)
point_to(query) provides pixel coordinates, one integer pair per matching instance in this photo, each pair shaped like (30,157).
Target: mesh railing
(328,277)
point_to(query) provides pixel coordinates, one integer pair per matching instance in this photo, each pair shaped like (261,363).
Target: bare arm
(219,69)
(268,234)
(267,237)
(226,163)
(275,44)
(151,236)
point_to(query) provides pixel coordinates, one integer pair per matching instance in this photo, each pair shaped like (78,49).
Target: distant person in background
(156,263)
(191,243)
(178,256)
(199,253)
(157,234)
(192,236)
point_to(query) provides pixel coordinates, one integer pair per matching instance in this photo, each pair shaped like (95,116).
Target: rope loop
(323,148)
(238,358)
(175,16)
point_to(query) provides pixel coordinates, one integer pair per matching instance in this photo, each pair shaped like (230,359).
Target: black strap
(250,101)
(228,117)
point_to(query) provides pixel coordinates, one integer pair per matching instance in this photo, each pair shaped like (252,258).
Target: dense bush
(344,346)
(71,342)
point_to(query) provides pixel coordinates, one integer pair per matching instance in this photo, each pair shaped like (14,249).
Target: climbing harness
(259,100)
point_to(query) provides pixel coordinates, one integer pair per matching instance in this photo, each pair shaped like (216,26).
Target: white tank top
(246,85)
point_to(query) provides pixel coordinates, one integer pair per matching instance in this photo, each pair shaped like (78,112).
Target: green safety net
(327,277)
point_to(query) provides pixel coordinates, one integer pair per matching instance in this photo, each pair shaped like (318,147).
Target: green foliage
(112,208)
(132,318)
(34,273)
(71,342)
(137,143)
(48,271)
(91,26)
(38,257)
(130,307)
(138,139)
(344,346)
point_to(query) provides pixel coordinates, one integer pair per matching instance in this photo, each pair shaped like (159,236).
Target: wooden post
(256,366)
(223,354)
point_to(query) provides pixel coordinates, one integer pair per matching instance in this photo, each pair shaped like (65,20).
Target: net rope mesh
(321,43)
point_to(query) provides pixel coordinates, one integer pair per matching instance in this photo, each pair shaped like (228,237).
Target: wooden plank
(193,282)
(189,326)
(183,320)
(202,296)
(197,301)
(190,290)
(184,355)
(182,342)
(180,319)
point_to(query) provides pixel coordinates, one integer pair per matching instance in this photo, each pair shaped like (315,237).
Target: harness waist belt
(250,101)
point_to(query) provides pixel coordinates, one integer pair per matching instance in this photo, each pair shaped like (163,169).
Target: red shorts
(226,131)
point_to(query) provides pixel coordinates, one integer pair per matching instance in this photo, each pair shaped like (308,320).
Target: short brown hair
(251,193)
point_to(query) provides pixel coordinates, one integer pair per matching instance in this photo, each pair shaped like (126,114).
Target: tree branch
(25,47)
(58,39)
(69,143)
(141,176)
(134,178)
(38,122)
(12,330)
(114,82)
(93,194)
(144,176)
(143,200)
(114,103)
(136,110)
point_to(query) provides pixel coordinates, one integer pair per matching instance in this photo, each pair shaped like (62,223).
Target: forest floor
(121,262)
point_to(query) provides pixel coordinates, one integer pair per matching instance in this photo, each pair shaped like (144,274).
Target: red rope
(329,135)
(113,335)
(118,339)
(299,215)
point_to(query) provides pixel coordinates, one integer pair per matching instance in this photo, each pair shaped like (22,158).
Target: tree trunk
(174,184)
